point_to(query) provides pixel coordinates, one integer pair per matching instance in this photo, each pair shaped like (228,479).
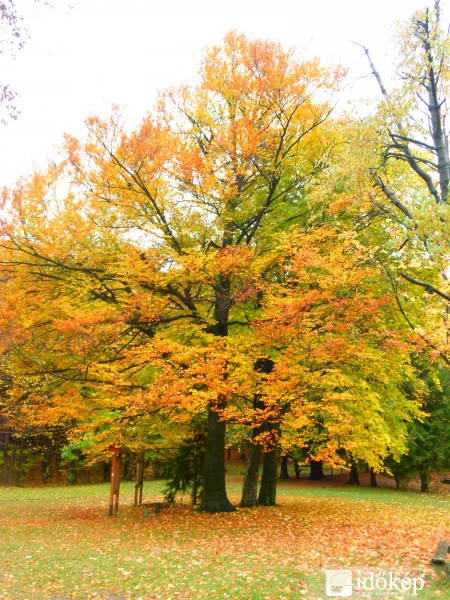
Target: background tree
(429,438)
(409,165)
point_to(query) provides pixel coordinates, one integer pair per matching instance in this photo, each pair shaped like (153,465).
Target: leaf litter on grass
(72,550)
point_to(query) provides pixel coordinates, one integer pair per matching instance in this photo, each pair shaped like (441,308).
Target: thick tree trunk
(214,492)
(214,497)
(354,477)
(284,473)
(250,486)
(373,478)
(268,489)
(424,487)
(316,473)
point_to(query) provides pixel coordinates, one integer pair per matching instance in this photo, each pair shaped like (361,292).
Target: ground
(58,543)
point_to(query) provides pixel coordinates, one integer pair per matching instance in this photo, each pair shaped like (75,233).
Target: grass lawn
(58,542)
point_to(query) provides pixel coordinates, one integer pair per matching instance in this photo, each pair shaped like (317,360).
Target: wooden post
(139,479)
(112,488)
(115,480)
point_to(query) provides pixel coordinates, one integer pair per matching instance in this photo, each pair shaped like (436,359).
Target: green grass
(58,542)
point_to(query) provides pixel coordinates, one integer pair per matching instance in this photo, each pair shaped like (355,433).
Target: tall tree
(148,255)
(409,165)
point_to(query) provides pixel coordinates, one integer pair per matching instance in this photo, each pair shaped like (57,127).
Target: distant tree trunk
(284,473)
(296,469)
(214,497)
(12,463)
(48,461)
(373,478)
(424,486)
(5,469)
(268,490)
(354,477)
(250,486)
(19,464)
(316,473)
(242,452)
(106,471)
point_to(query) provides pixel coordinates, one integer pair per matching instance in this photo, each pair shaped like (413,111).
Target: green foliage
(72,457)
(429,441)
(182,469)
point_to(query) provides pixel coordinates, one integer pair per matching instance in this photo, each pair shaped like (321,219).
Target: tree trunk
(214,492)
(373,478)
(19,464)
(316,473)
(284,473)
(296,469)
(47,461)
(250,486)
(12,463)
(214,497)
(354,477)
(106,471)
(268,489)
(5,470)
(424,487)
(242,453)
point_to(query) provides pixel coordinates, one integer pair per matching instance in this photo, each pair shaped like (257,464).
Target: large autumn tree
(141,255)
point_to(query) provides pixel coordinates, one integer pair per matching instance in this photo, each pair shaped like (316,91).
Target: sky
(82,56)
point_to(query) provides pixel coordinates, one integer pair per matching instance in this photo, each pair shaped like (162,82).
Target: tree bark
(47,461)
(424,486)
(284,473)
(250,487)
(5,469)
(373,478)
(354,477)
(316,473)
(268,489)
(214,491)
(214,497)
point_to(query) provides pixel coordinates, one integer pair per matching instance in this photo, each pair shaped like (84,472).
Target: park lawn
(58,542)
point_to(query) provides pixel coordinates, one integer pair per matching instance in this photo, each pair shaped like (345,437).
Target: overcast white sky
(78,61)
